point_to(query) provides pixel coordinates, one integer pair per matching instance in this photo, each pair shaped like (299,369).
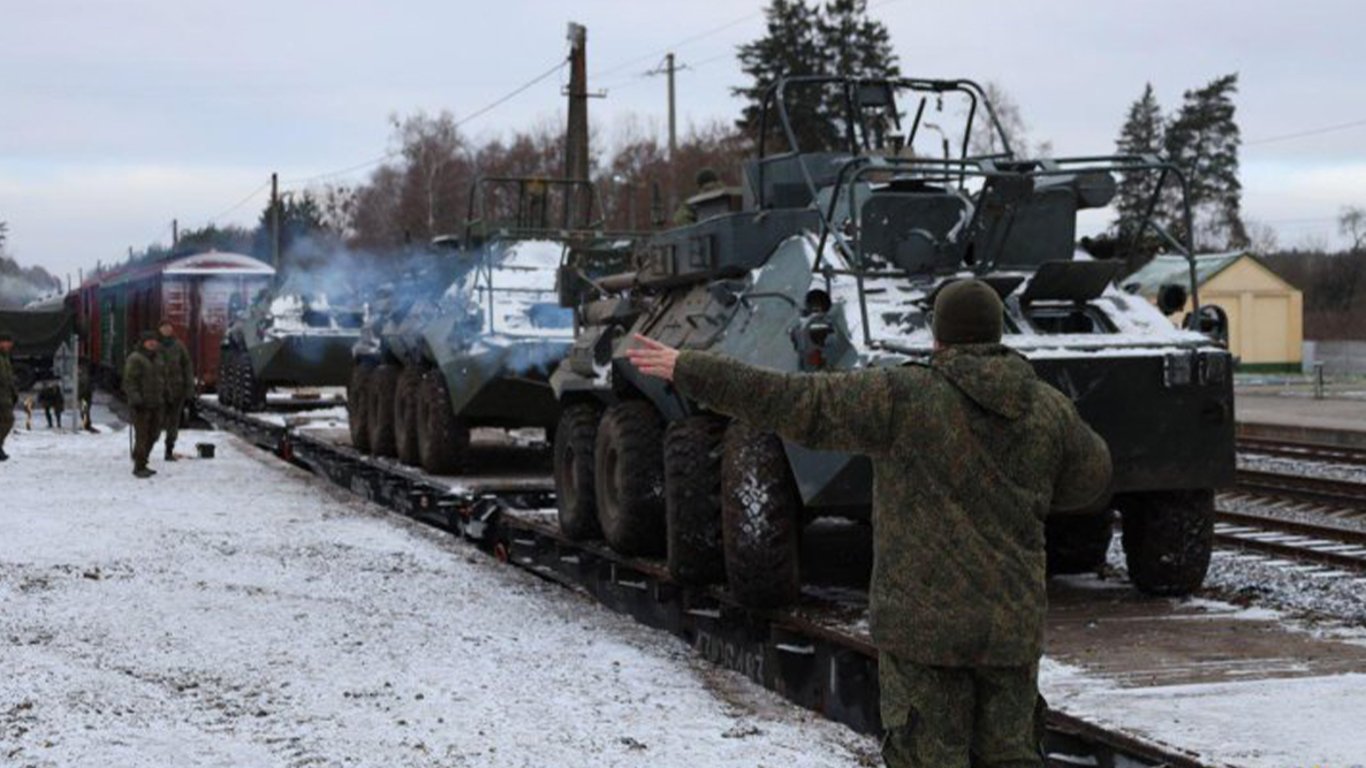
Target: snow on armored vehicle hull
(480,353)
(831,263)
(286,338)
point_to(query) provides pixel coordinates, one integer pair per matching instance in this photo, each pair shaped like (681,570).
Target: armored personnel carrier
(478,351)
(286,338)
(828,259)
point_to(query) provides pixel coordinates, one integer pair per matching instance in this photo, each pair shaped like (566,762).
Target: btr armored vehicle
(477,351)
(828,259)
(286,338)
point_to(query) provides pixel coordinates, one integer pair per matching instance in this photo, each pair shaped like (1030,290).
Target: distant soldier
(146,393)
(707,181)
(970,453)
(179,372)
(85,394)
(51,399)
(9,394)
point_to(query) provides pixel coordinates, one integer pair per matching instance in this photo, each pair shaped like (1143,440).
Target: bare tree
(985,140)
(1262,238)
(1352,223)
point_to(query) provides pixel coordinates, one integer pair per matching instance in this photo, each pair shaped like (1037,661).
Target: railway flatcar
(195,292)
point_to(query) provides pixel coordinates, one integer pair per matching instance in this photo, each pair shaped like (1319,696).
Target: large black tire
(1078,543)
(24,376)
(760,519)
(628,478)
(357,412)
(406,443)
(253,389)
(575,438)
(379,409)
(1168,537)
(235,398)
(443,440)
(692,499)
(225,377)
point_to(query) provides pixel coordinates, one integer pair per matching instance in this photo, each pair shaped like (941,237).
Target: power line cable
(685,41)
(1305,134)
(240,203)
(458,123)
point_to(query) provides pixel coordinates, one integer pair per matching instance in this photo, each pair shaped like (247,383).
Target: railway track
(812,662)
(1316,490)
(1316,535)
(1294,449)
(1322,544)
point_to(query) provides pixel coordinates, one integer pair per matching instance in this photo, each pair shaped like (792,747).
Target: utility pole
(577,201)
(275,223)
(175,234)
(673,121)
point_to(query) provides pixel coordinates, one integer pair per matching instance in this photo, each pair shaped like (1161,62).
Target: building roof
(1172,268)
(206,263)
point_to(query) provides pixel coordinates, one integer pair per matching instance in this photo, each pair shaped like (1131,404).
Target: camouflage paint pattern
(8,397)
(144,381)
(177,369)
(956,717)
(969,453)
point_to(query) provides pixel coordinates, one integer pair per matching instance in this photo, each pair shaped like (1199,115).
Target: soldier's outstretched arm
(1085,471)
(836,411)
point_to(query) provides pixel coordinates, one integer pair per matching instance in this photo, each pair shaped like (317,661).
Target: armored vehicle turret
(477,351)
(828,259)
(286,337)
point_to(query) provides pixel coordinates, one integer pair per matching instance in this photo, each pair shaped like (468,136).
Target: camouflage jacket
(969,453)
(143,383)
(9,395)
(177,368)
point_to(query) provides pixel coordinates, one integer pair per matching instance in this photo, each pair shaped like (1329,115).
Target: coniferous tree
(1141,135)
(1203,141)
(791,46)
(855,44)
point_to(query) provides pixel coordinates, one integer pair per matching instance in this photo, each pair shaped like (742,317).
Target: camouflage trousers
(146,430)
(6,423)
(170,422)
(956,717)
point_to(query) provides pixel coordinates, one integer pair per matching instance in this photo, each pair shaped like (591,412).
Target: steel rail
(1324,545)
(1319,490)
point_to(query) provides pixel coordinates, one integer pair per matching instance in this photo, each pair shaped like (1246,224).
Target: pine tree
(856,45)
(1141,135)
(1203,141)
(790,46)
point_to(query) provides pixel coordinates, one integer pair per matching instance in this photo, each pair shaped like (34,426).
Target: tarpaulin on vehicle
(38,333)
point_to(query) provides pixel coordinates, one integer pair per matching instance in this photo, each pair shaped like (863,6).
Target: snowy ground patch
(236,612)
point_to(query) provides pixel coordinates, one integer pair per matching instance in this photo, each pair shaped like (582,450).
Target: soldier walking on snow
(970,453)
(179,381)
(146,393)
(9,395)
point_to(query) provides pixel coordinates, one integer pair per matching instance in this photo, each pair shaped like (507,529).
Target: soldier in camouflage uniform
(970,453)
(9,395)
(179,379)
(146,393)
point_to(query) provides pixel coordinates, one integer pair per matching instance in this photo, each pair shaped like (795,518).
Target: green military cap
(149,336)
(968,312)
(6,335)
(707,176)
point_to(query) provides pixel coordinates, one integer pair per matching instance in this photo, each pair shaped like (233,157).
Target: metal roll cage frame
(963,167)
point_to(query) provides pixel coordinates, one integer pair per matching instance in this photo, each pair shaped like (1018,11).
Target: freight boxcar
(194,292)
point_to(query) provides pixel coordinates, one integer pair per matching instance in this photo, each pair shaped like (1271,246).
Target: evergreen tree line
(1201,138)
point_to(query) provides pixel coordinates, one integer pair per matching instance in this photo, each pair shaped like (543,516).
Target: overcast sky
(117,116)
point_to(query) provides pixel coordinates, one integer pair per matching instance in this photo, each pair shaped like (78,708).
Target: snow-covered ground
(237,612)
